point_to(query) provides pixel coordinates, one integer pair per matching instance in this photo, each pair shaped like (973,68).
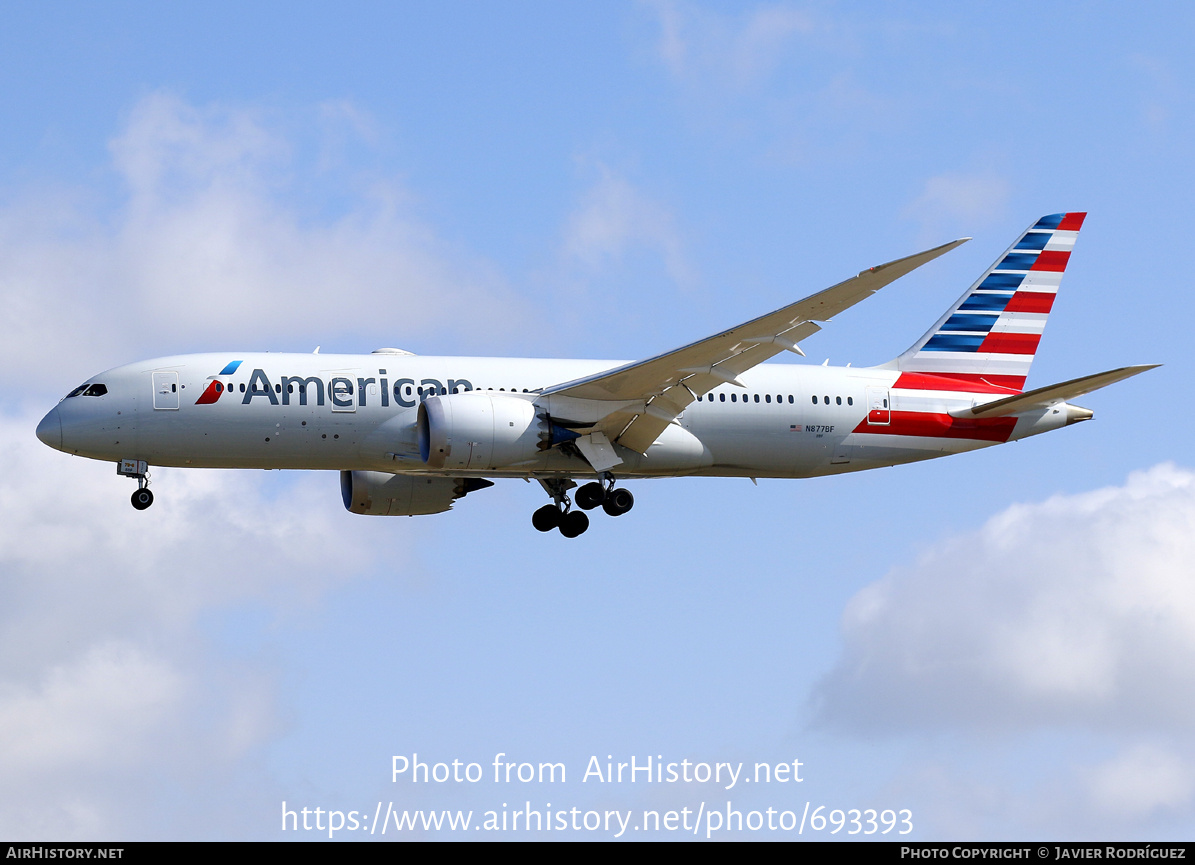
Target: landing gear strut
(142,498)
(560,515)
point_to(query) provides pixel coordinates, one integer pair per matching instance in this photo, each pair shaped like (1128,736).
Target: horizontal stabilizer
(1043,397)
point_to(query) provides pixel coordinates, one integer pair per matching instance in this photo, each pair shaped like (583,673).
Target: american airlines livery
(410,435)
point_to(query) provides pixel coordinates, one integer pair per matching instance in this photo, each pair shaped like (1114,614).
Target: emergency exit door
(879,407)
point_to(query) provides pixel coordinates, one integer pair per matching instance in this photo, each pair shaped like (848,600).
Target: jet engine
(383,494)
(478,430)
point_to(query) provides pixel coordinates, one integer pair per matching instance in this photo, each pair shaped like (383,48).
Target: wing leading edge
(632,404)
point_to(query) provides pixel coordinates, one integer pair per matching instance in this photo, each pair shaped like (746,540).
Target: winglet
(927,256)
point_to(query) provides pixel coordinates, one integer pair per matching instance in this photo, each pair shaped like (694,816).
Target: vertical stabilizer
(986,341)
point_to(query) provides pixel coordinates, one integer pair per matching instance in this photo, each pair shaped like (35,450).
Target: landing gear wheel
(574,523)
(142,498)
(590,496)
(618,502)
(546,518)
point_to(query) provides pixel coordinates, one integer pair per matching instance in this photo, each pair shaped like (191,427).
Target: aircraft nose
(50,429)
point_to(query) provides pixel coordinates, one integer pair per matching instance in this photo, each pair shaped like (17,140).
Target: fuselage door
(165,390)
(342,394)
(879,406)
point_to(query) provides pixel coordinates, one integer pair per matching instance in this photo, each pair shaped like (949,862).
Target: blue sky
(998,641)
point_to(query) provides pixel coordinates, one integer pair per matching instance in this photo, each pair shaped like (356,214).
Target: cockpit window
(88,390)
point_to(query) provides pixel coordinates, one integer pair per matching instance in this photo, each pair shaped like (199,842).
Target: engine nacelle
(383,494)
(477,430)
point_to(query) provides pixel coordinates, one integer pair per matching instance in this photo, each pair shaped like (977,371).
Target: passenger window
(826,399)
(790,399)
(767,398)
(815,400)
(734,397)
(838,400)
(722,397)
(242,387)
(850,401)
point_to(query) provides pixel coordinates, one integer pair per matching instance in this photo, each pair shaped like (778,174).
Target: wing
(640,399)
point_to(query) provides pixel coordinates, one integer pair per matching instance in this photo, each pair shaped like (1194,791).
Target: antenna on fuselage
(316,350)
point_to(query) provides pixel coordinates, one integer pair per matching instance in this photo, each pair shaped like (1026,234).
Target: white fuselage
(359,412)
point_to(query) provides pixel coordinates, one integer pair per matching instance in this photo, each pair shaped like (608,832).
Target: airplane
(412,434)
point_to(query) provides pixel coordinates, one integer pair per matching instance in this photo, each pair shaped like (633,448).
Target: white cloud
(1160,92)
(91,712)
(956,198)
(783,74)
(110,686)
(1039,670)
(698,44)
(1140,781)
(208,248)
(614,218)
(1077,611)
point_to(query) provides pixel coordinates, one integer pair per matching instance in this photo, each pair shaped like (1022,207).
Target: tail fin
(986,341)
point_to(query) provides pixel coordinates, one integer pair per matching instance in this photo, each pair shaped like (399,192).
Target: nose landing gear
(142,498)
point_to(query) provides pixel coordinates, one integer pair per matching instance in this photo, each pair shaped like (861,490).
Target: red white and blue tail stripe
(985,343)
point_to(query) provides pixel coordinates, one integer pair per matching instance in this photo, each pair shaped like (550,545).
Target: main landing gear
(142,497)
(560,515)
